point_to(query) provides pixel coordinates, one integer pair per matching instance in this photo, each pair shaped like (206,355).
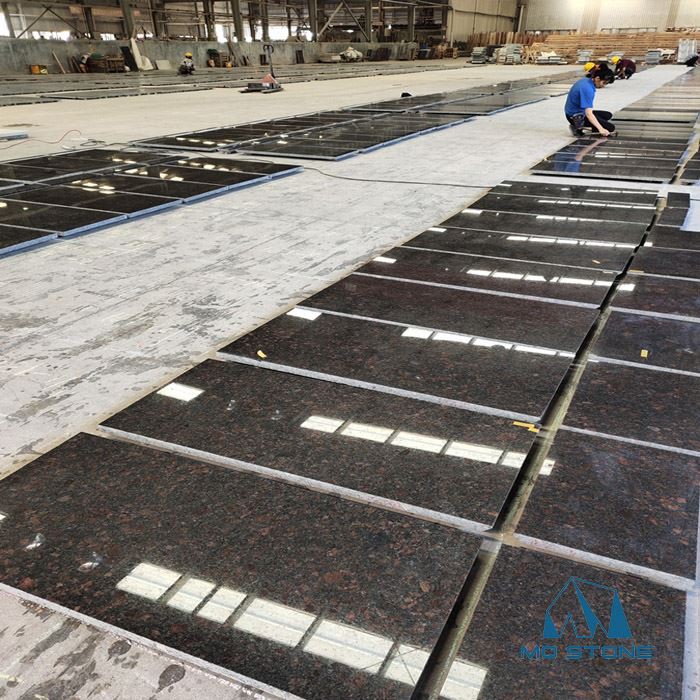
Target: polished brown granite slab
(546,281)
(519,379)
(566,206)
(449,460)
(634,402)
(88,523)
(511,614)
(674,237)
(498,317)
(575,252)
(584,191)
(627,502)
(650,340)
(562,226)
(13,238)
(667,261)
(659,294)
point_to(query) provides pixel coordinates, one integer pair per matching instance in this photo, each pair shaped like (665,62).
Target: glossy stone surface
(51,218)
(638,403)
(121,156)
(491,244)
(672,216)
(580,191)
(497,317)
(267,418)
(300,149)
(375,572)
(232,165)
(145,185)
(452,367)
(673,237)
(566,206)
(177,173)
(511,614)
(664,295)
(647,497)
(650,340)
(15,237)
(665,261)
(519,277)
(88,198)
(637,169)
(15,171)
(560,226)
(69,163)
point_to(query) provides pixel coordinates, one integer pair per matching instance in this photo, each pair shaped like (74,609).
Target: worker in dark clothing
(625,68)
(579,110)
(187,65)
(692,61)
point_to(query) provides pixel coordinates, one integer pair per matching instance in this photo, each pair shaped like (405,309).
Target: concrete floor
(92,323)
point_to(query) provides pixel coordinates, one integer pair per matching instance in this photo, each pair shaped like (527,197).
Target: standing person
(579,110)
(625,68)
(187,65)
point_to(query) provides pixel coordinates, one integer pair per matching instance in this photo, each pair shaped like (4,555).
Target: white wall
(688,14)
(553,14)
(475,16)
(634,14)
(613,14)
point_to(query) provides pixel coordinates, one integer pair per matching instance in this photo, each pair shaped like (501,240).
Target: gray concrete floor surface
(90,324)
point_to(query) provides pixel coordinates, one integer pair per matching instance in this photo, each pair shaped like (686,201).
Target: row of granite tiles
(651,142)
(334,135)
(47,197)
(380,411)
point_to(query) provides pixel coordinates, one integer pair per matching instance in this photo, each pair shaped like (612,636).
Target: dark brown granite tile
(635,402)
(511,614)
(650,340)
(500,375)
(340,568)
(519,277)
(674,237)
(445,459)
(601,255)
(567,206)
(667,261)
(631,503)
(659,294)
(572,226)
(498,317)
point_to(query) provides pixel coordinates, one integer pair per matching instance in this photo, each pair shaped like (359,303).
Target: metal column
(265,20)
(237,19)
(127,18)
(90,24)
(208,6)
(368,19)
(8,19)
(313,19)
(411,23)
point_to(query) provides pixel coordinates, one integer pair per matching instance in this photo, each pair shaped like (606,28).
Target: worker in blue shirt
(579,110)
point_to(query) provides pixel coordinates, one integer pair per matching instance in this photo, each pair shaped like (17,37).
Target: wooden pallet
(631,45)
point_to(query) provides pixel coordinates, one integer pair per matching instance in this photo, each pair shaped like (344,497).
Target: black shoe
(574,131)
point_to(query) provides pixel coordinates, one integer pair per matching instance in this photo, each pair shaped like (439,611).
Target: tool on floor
(269,83)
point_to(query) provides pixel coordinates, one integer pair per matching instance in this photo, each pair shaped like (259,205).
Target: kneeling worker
(579,110)
(625,68)
(187,65)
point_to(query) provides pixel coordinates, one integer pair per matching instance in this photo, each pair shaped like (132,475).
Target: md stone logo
(585,610)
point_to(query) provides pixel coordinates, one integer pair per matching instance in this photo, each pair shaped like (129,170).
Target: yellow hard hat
(615,59)
(188,55)
(589,66)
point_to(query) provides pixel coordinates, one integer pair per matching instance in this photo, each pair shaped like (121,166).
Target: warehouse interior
(345,366)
